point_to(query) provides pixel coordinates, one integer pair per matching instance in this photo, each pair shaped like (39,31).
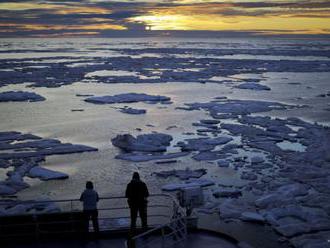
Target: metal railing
(165,217)
(171,234)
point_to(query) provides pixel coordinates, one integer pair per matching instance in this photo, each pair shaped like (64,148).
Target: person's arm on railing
(81,197)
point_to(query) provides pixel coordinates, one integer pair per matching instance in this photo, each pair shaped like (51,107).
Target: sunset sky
(103,17)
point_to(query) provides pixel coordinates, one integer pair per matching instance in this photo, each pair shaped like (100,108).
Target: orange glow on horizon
(212,22)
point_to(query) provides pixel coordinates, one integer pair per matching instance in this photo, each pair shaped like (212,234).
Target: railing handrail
(8,202)
(175,217)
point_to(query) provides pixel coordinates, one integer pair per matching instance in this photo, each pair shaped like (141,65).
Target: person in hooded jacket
(137,194)
(90,198)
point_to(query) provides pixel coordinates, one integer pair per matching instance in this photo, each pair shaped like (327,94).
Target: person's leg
(95,221)
(134,211)
(143,215)
(86,220)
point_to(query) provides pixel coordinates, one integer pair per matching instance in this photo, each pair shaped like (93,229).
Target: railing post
(36,228)
(163,237)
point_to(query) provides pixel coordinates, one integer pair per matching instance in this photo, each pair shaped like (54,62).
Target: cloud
(91,17)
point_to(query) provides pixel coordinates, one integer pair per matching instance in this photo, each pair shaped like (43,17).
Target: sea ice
(292,220)
(144,157)
(182,174)
(46,174)
(154,142)
(25,155)
(233,208)
(227,193)
(252,86)
(203,144)
(133,111)
(223,163)
(313,240)
(257,160)
(210,156)
(187,184)
(6,190)
(252,217)
(127,98)
(237,107)
(20,96)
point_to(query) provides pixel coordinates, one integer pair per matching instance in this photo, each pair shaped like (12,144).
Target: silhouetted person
(137,193)
(90,198)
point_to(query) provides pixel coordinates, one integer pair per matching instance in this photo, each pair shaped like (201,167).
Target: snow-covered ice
(153,142)
(20,96)
(252,86)
(127,98)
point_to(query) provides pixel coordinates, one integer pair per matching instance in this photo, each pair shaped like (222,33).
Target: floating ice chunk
(182,174)
(232,208)
(249,176)
(107,73)
(210,122)
(187,184)
(143,157)
(31,207)
(210,156)
(133,111)
(237,107)
(59,149)
(46,174)
(20,96)
(127,98)
(10,136)
(16,210)
(272,200)
(257,160)
(227,193)
(4,163)
(252,217)
(252,86)
(203,144)
(223,163)
(284,195)
(316,200)
(313,240)
(154,142)
(24,155)
(293,190)
(293,220)
(7,190)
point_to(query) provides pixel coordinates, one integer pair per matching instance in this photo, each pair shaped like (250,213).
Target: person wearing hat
(136,194)
(90,198)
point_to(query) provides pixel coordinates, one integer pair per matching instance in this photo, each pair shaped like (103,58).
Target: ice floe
(182,174)
(132,111)
(144,157)
(227,193)
(186,184)
(20,96)
(237,107)
(46,174)
(203,144)
(292,220)
(38,206)
(24,152)
(153,142)
(127,98)
(252,86)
